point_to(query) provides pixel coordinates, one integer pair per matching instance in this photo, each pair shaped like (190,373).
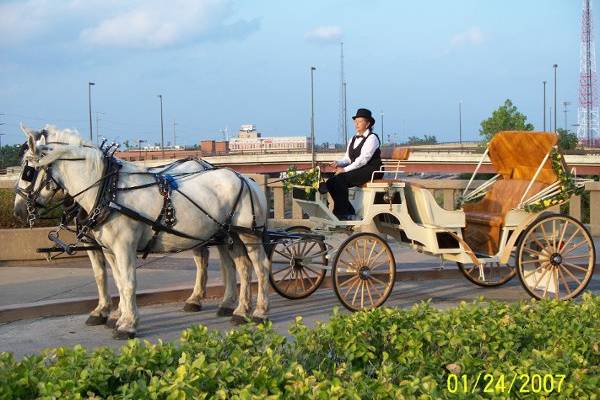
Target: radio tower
(587,115)
(342,122)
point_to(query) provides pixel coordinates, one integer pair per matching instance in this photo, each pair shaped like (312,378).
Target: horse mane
(80,147)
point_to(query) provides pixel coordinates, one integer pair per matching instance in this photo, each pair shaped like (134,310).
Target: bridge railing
(585,208)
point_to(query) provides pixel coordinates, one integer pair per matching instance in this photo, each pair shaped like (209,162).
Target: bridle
(31,194)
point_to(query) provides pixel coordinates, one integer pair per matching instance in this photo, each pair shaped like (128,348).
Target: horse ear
(26,131)
(31,142)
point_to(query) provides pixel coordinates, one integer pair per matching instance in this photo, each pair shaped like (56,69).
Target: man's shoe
(347,217)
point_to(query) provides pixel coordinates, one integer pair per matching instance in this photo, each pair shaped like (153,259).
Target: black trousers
(338,186)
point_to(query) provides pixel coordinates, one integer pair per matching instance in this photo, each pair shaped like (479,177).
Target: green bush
(7,220)
(385,353)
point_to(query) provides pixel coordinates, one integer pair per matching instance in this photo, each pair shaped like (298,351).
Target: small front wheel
(363,272)
(298,265)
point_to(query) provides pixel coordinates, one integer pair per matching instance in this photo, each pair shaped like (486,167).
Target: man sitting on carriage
(362,158)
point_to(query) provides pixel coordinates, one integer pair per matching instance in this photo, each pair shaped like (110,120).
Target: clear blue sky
(223,63)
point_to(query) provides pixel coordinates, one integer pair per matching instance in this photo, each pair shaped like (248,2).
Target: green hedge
(386,353)
(7,220)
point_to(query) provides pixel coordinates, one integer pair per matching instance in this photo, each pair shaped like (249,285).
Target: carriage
(509,225)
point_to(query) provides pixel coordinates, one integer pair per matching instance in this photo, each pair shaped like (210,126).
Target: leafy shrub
(7,220)
(385,353)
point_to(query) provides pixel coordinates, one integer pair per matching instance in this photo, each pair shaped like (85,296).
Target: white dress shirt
(367,151)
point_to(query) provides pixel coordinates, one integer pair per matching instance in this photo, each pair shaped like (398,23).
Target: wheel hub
(296,263)
(364,273)
(556,259)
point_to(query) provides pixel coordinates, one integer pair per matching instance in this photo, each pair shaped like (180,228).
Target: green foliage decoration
(381,354)
(566,181)
(309,179)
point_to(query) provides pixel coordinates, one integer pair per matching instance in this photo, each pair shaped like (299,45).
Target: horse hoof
(94,320)
(239,320)
(111,323)
(224,312)
(123,335)
(260,320)
(191,307)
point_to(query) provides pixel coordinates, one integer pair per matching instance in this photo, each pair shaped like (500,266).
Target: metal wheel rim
(364,272)
(556,256)
(302,262)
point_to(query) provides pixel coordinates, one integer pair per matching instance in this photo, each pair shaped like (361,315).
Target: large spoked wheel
(297,265)
(364,272)
(556,258)
(490,274)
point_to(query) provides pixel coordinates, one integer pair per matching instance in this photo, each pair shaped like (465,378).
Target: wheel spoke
(312,270)
(289,282)
(281,270)
(566,264)
(537,253)
(352,267)
(579,256)
(283,255)
(371,252)
(545,235)
(310,248)
(369,293)
(378,280)
(571,238)
(530,261)
(377,266)
(360,282)
(356,282)
(540,278)
(377,256)
(542,265)
(347,281)
(551,270)
(564,280)
(374,287)
(562,235)
(362,295)
(554,235)
(578,245)
(535,239)
(571,275)
(358,257)
(302,280)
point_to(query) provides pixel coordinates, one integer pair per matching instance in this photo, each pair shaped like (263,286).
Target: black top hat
(364,113)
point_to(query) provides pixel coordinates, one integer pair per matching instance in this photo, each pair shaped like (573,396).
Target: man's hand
(339,170)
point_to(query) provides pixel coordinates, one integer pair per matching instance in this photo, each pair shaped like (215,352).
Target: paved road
(167,321)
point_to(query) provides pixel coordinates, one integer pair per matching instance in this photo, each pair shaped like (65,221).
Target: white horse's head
(36,186)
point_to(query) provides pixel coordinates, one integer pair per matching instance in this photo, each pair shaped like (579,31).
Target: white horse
(203,200)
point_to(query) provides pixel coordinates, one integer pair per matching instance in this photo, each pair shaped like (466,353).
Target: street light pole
(162,132)
(460,123)
(98,124)
(345,119)
(544,82)
(90,84)
(555,66)
(312,115)
(174,134)
(382,137)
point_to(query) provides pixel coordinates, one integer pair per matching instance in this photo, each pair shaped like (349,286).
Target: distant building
(250,140)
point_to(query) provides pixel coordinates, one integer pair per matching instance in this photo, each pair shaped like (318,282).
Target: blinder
(29,173)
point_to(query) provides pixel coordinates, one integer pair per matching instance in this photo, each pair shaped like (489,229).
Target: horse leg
(99,315)
(194,302)
(240,258)
(261,262)
(125,257)
(115,312)
(230,297)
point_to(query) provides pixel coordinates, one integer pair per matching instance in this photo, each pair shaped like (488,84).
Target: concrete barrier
(21,244)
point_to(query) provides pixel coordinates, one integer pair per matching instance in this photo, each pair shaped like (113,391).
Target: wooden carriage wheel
(491,274)
(297,265)
(364,272)
(556,257)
